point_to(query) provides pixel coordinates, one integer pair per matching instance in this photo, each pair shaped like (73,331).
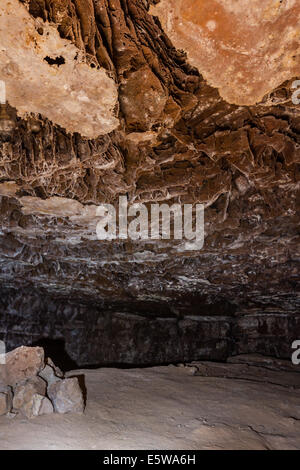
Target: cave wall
(77,333)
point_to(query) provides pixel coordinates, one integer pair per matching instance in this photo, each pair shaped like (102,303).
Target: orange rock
(245,49)
(21,364)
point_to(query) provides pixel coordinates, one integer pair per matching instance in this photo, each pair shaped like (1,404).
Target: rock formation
(31,386)
(186,101)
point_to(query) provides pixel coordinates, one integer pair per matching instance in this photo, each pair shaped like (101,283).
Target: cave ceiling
(177,101)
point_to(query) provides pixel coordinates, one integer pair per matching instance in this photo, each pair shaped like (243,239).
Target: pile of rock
(31,386)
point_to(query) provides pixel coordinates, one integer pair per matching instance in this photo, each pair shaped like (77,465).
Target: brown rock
(24,395)
(66,396)
(3,377)
(5,400)
(21,364)
(93,95)
(142,99)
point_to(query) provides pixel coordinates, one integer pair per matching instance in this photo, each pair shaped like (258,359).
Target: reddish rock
(25,395)
(21,364)
(218,37)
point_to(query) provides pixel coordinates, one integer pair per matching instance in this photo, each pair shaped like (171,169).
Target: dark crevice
(57,61)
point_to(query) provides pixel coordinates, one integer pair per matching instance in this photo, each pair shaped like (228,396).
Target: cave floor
(165,408)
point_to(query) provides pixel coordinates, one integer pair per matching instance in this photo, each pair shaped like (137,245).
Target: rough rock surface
(57,372)
(37,388)
(180,141)
(48,374)
(245,49)
(39,67)
(41,405)
(26,396)
(21,364)
(66,396)
(5,400)
(166,408)
(4,404)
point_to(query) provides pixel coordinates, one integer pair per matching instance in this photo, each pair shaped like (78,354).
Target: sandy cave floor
(165,408)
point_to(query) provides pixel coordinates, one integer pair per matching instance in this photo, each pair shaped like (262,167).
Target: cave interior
(165,102)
